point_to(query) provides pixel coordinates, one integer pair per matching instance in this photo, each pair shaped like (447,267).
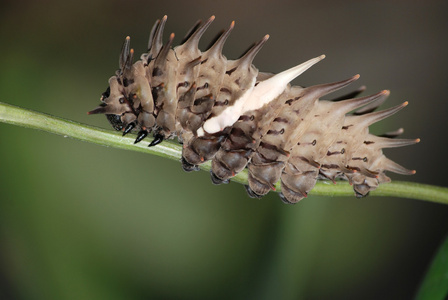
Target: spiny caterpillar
(229,112)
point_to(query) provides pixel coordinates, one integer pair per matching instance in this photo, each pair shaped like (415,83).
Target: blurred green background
(80,221)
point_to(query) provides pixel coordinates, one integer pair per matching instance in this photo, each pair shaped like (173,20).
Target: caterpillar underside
(229,112)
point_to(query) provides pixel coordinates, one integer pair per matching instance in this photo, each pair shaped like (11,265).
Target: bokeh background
(80,221)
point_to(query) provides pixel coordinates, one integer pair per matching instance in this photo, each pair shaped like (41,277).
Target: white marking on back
(271,88)
(229,115)
(256,97)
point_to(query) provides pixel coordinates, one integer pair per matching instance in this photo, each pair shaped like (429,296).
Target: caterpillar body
(228,112)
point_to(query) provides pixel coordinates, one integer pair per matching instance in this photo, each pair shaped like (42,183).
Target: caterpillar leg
(129,127)
(216,180)
(158,138)
(187,167)
(251,193)
(284,200)
(141,135)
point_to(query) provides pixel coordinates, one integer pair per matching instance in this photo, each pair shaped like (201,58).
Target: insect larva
(229,112)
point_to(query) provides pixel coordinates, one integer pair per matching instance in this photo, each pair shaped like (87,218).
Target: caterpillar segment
(228,112)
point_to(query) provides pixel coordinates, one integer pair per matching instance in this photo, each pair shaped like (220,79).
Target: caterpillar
(230,113)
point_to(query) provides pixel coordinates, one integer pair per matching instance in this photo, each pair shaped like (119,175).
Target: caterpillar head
(128,97)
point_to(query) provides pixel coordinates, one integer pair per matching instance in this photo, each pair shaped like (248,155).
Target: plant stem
(30,119)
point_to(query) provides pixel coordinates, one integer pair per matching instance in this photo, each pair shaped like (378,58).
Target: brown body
(226,111)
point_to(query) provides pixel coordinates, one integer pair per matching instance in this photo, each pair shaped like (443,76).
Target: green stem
(30,119)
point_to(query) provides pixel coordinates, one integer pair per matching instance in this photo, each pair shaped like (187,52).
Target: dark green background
(79,221)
